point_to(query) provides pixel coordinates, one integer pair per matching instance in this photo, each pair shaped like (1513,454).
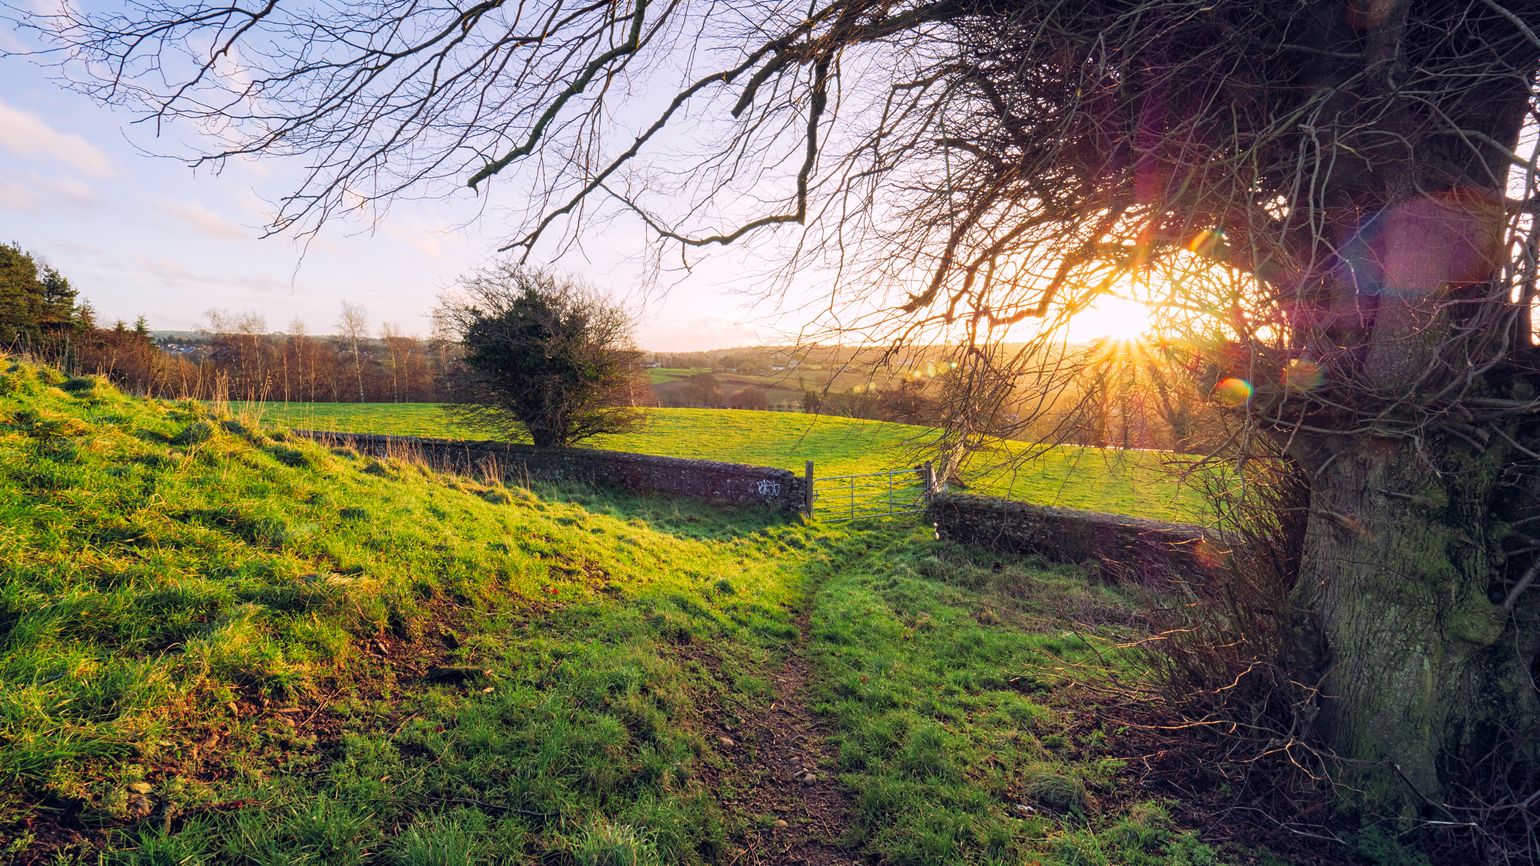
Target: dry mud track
(799,812)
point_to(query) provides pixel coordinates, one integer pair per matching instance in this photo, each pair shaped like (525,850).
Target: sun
(1114,318)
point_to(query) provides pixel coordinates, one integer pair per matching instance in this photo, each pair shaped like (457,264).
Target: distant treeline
(1111,396)
(235,356)
(1141,398)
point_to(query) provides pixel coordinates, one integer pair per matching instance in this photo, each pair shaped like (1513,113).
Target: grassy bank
(220,644)
(1138,483)
(223,644)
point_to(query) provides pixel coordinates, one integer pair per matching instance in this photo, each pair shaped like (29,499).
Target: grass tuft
(80,385)
(195,433)
(1055,791)
(604,843)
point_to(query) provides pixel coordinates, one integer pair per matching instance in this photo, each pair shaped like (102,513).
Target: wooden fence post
(928,472)
(807,475)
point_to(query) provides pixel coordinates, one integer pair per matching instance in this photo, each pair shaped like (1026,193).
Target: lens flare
(1232,392)
(1302,375)
(1421,247)
(1204,242)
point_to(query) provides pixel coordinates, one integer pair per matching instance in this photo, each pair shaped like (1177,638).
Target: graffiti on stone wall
(766,487)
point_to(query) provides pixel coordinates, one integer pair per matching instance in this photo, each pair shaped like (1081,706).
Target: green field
(1145,484)
(224,644)
(661,375)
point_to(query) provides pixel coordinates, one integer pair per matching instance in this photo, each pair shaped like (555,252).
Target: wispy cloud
(31,193)
(203,219)
(27,135)
(429,242)
(170,273)
(696,333)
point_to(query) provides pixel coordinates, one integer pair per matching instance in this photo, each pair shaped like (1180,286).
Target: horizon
(165,333)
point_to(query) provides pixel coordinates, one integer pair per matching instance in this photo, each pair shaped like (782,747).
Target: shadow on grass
(680,518)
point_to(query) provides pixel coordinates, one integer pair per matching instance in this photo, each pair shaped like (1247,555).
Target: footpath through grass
(1139,483)
(945,673)
(219,644)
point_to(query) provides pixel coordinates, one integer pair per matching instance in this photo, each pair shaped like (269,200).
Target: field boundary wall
(705,480)
(1117,547)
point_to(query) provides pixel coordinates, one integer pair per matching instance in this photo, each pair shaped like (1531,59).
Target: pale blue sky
(141,234)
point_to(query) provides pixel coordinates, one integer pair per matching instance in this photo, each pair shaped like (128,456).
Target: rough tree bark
(1424,672)
(1405,564)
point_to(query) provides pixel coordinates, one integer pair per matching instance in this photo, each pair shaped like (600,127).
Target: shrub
(543,356)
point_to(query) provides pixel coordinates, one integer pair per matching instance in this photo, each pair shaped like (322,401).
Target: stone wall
(708,480)
(1119,548)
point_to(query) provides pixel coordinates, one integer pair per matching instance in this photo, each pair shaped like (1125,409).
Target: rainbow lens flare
(1203,243)
(1232,392)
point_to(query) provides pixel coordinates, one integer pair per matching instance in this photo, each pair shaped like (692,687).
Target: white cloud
(25,134)
(170,273)
(31,193)
(426,241)
(695,333)
(204,219)
(19,198)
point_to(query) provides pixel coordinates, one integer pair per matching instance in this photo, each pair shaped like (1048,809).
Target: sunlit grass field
(1139,483)
(218,644)
(660,375)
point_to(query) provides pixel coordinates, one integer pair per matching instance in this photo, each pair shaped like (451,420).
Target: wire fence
(871,495)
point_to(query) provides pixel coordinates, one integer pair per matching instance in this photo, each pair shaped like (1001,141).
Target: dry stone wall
(707,480)
(1117,547)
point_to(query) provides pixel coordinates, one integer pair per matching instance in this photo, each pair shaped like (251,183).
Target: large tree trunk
(1424,673)
(1405,568)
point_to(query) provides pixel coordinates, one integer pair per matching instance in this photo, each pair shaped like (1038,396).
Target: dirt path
(789,766)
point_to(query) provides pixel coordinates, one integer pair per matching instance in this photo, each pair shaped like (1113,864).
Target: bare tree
(239,348)
(397,349)
(1177,401)
(300,349)
(353,328)
(1333,191)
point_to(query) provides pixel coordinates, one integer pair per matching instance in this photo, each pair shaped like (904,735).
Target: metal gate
(870,494)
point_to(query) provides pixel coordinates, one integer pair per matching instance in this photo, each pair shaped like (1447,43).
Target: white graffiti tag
(766,487)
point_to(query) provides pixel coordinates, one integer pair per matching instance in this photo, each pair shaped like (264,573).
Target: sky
(138,233)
